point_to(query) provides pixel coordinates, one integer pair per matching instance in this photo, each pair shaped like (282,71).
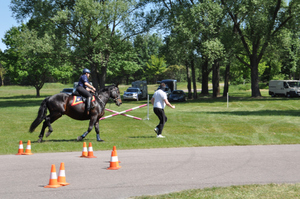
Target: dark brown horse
(63,104)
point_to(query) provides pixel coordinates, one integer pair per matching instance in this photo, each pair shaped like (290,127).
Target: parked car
(177,95)
(167,90)
(132,94)
(67,91)
(288,88)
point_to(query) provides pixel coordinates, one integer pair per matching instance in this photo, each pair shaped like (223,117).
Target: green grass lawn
(203,122)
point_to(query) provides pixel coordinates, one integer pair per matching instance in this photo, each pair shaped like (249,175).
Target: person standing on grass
(159,100)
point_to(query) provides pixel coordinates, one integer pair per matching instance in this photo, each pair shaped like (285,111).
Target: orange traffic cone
(20,151)
(62,175)
(115,149)
(53,178)
(114,163)
(84,150)
(28,149)
(90,152)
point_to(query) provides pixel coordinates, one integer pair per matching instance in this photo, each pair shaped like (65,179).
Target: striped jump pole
(137,118)
(122,112)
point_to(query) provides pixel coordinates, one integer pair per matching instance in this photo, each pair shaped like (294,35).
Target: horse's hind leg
(45,124)
(50,121)
(92,122)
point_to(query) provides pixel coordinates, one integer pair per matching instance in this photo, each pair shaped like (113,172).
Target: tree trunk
(205,73)
(216,79)
(226,80)
(102,77)
(194,78)
(188,75)
(2,81)
(37,91)
(94,75)
(254,77)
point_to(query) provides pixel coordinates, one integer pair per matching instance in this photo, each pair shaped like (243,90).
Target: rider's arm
(89,86)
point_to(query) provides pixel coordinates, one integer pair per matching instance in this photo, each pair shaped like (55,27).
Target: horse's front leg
(92,122)
(98,132)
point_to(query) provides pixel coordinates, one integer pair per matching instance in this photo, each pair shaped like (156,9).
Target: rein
(100,101)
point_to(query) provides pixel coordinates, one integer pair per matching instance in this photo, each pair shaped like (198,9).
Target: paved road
(148,171)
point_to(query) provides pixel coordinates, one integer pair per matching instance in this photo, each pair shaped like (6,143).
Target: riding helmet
(86,71)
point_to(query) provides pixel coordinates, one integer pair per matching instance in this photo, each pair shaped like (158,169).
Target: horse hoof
(48,133)
(79,138)
(40,140)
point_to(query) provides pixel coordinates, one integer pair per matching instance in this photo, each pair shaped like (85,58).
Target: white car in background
(132,94)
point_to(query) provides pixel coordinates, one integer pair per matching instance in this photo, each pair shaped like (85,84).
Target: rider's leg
(88,105)
(82,91)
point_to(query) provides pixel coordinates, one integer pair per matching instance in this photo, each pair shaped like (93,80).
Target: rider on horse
(84,88)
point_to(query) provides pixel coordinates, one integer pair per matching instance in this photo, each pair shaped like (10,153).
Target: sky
(6,21)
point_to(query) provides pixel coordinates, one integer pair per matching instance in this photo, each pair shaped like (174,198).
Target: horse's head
(115,94)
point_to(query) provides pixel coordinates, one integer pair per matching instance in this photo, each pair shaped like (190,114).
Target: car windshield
(177,92)
(294,84)
(132,90)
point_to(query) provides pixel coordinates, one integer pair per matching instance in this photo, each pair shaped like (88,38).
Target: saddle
(79,99)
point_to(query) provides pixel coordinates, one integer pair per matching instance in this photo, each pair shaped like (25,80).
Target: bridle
(115,93)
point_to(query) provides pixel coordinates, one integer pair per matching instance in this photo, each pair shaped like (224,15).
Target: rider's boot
(89,105)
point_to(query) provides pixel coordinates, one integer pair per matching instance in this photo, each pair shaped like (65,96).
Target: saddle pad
(78,100)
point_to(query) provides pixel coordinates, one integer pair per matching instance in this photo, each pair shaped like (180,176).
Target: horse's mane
(106,88)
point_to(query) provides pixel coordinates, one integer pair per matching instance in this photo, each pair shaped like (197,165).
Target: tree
(124,63)
(176,50)
(27,58)
(145,46)
(257,23)
(156,66)
(96,28)
(2,73)
(92,29)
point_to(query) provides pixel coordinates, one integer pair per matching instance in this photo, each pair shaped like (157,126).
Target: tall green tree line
(212,39)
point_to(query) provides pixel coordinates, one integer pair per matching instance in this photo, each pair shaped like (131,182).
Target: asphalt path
(148,171)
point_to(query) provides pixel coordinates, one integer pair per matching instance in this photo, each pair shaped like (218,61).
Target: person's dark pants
(82,91)
(162,119)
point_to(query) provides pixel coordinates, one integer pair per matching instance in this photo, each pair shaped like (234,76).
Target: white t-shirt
(159,99)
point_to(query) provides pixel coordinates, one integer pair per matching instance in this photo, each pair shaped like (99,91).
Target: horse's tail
(41,115)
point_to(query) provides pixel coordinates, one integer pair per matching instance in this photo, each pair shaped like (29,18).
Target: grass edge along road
(287,191)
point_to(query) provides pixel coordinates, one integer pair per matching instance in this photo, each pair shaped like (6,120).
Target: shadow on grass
(21,101)
(24,97)
(259,113)
(135,137)
(210,99)
(61,140)
(30,100)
